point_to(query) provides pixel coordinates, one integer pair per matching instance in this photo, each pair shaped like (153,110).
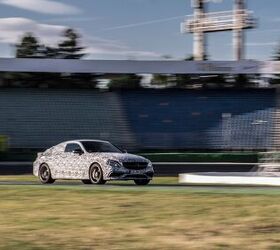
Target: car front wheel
(142,182)
(45,174)
(96,174)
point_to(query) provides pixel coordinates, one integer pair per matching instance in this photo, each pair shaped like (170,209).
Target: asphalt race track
(111,186)
(161,169)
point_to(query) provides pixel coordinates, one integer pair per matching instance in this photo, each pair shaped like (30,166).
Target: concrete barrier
(254,179)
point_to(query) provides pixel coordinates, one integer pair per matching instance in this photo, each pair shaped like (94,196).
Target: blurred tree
(49,52)
(184,80)
(189,80)
(160,80)
(28,47)
(127,81)
(276,57)
(219,80)
(241,81)
(69,48)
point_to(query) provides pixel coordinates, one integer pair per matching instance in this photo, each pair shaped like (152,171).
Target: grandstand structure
(205,119)
(40,118)
(145,119)
(203,22)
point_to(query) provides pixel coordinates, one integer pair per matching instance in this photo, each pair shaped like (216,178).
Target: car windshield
(96,146)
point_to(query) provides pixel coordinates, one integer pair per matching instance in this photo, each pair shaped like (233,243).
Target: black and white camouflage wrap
(66,165)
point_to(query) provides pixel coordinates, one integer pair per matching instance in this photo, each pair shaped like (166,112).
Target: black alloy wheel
(96,174)
(45,175)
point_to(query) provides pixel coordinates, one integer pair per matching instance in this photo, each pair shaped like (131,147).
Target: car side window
(71,147)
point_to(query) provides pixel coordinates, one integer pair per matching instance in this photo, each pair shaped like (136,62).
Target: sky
(133,29)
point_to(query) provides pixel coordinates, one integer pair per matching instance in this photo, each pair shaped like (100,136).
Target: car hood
(122,157)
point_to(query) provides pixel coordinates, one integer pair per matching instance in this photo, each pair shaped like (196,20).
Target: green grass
(75,216)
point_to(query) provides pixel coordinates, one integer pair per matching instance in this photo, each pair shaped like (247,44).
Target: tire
(142,182)
(96,174)
(45,175)
(87,182)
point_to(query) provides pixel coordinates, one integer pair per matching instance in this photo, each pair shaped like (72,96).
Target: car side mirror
(78,151)
(124,151)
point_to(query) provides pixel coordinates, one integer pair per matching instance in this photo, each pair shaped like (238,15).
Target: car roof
(83,140)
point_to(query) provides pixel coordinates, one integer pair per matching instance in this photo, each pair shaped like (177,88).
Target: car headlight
(150,164)
(113,163)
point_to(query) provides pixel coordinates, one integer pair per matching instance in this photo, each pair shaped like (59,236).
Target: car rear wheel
(142,182)
(96,175)
(45,174)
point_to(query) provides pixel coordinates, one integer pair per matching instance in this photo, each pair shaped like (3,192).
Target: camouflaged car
(93,162)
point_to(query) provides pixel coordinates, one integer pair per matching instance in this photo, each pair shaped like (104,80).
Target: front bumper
(131,175)
(128,170)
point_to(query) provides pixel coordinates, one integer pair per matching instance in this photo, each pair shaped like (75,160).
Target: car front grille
(135,165)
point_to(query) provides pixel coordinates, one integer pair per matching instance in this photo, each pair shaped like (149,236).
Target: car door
(57,165)
(74,160)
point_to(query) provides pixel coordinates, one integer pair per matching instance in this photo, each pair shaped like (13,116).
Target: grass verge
(129,217)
